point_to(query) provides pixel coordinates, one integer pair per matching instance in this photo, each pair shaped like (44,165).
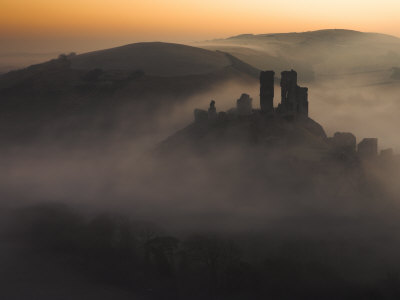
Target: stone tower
(288,90)
(267,91)
(294,97)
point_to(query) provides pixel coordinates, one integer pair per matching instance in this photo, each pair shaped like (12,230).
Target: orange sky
(121,21)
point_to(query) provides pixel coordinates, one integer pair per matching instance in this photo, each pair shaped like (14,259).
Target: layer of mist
(101,213)
(268,223)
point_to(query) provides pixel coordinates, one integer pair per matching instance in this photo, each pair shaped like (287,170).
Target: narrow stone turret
(212,111)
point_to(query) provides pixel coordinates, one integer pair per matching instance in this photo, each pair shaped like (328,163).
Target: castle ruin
(294,99)
(294,104)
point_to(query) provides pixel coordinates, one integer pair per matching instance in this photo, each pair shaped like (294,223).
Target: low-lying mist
(237,221)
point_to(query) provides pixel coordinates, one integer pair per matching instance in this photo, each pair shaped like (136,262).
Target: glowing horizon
(121,21)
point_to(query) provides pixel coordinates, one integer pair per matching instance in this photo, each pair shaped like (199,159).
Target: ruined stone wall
(368,148)
(302,100)
(200,115)
(343,142)
(244,105)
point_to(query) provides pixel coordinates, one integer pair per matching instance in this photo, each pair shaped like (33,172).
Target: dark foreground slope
(125,88)
(239,208)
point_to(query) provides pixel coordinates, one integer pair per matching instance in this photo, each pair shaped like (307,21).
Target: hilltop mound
(302,137)
(97,90)
(161,59)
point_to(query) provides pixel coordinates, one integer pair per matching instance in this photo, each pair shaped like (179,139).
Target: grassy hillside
(131,85)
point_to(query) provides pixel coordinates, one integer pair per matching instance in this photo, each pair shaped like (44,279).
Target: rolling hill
(159,59)
(137,87)
(101,90)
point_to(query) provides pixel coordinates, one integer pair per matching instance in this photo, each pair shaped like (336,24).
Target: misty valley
(252,167)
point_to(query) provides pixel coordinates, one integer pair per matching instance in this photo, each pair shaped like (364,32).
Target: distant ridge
(327,51)
(347,32)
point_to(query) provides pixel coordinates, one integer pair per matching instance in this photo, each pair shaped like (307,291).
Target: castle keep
(267,91)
